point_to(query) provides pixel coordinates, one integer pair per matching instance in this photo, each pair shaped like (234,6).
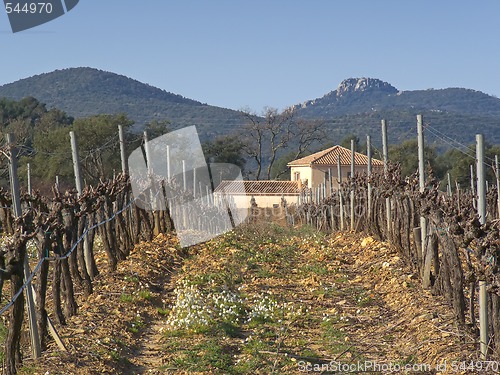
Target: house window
(297,176)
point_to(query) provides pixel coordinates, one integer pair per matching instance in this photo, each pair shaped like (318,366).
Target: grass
(280,284)
(309,353)
(145,294)
(3,337)
(115,356)
(237,327)
(364,299)
(125,297)
(163,311)
(131,279)
(28,369)
(208,355)
(136,325)
(333,337)
(318,268)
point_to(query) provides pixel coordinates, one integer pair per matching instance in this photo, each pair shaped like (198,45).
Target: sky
(249,54)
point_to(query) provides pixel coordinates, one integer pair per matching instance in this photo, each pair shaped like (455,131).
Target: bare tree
(267,135)
(305,133)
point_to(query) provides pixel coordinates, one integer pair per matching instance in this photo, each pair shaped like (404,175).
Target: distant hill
(358,105)
(86,91)
(355,107)
(361,95)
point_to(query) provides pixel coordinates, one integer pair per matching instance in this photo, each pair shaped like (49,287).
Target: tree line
(261,147)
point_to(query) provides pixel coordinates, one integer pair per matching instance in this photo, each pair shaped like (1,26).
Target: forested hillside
(356,106)
(83,92)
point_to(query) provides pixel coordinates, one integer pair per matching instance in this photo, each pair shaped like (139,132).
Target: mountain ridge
(355,95)
(88,91)
(354,106)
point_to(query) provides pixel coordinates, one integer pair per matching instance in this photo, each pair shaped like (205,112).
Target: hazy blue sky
(253,53)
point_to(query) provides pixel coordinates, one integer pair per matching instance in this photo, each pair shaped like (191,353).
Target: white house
(265,193)
(315,169)
(307,172)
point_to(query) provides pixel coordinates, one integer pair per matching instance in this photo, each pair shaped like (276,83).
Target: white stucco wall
(243,201)
(316,175)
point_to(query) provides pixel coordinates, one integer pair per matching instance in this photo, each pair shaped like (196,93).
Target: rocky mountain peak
(359,85)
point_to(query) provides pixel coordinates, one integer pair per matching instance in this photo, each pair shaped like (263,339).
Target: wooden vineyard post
(123,157)
(449,189)
(497,173)
(330,182)
(421,179)
(325,184)
(123,152)
(16,201)
(147,151)
(341,200)
(149,166)
(184,180)
(417,237)
(385,155)
(481,211)
(168,163)
(76,163)
(194,182)
(153,191)
(369,173)
(352,182)
(79,188)
(28,173)
(473,186)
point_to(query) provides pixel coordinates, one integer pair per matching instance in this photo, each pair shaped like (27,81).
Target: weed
(410,359)
(125,297)
(145,294)
(3,336)
(163,311)
(319,269)
(263,273)
(115,355)
(308,353)
(364,298)
(136,325)
(28,369)
(342,279)
(333,337)
(131,279)
(230,330)
(206,356)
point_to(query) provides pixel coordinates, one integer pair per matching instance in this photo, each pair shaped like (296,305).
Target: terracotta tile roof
(330,156)
(259,187)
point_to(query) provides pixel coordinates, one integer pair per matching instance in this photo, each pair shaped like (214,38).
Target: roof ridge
(328,154)
(249,187)
(323,153)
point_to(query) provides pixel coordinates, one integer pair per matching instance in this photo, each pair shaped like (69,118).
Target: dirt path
(344,298)
(147,358)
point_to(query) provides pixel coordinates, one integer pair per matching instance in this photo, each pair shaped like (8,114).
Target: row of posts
(320,192)
(481,205)
(17,210)
(480,184)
